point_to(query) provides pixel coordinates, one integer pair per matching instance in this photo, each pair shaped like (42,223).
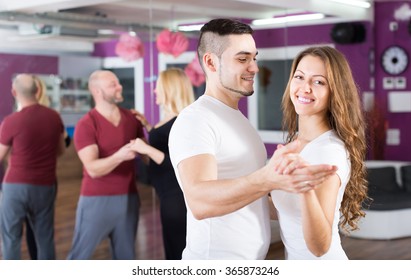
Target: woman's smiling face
(309,90)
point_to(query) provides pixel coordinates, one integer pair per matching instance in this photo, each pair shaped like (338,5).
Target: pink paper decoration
(195,73)
(174,43)
(129,47)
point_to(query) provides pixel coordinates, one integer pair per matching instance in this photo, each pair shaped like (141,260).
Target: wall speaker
(348,33)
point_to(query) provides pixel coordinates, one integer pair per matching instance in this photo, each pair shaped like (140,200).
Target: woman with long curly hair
(322,110)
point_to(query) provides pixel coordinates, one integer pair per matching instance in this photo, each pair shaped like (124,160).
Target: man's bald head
(105,87)
(97,77)
(25,86)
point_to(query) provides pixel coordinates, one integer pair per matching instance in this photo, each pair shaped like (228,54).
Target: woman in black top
(174,92)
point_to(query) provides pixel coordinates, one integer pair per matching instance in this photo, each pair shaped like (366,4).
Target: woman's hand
(140,146)
(139,116)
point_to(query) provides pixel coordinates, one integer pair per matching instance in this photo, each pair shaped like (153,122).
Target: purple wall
(11,64)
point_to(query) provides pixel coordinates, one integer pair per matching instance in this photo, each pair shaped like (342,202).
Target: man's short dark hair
(213,33)
(223,26)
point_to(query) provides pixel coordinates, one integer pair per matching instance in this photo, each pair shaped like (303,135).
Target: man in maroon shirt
(109,204)
(33,138)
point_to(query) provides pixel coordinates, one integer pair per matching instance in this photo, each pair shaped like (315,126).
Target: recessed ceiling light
(193,27)
(285,19)
(357,3)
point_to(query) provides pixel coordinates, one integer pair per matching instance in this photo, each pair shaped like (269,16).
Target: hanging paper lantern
(195,73)
(174,43)
(129,47)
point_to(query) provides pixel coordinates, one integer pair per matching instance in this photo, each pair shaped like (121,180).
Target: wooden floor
(149,243)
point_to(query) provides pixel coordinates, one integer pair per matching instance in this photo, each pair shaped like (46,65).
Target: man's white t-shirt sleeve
(190,135)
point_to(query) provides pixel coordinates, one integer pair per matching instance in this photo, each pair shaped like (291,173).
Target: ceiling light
(105,32)
(357,3)
(285,19)
(187,28)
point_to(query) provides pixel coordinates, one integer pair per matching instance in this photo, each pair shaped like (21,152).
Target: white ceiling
(21,19)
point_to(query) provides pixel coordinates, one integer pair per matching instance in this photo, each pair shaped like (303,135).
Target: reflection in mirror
(149,235)
(167,61)
(126,78)
(131,76)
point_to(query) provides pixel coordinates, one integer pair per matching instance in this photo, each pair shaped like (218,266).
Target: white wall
(76,66)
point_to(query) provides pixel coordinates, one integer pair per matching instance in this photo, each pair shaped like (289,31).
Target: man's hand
(125,153)
(286,158)
(140,146)
(289,172)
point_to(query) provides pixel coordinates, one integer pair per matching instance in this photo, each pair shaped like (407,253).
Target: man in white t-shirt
(220,160)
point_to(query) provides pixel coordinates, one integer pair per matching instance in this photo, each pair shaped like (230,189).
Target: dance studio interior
(63,42)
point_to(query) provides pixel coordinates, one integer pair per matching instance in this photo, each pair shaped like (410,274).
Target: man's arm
(97,167)
(61,148)
(4,149)
(209,197)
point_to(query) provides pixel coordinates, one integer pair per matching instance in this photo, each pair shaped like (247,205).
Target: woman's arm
(318,207)
(141,147)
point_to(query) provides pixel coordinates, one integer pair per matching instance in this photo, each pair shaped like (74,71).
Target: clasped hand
(297,174)
(139,145)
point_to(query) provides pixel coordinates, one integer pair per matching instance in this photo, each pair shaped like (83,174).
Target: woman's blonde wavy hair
(346,118)
(41,94)
(177,89)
